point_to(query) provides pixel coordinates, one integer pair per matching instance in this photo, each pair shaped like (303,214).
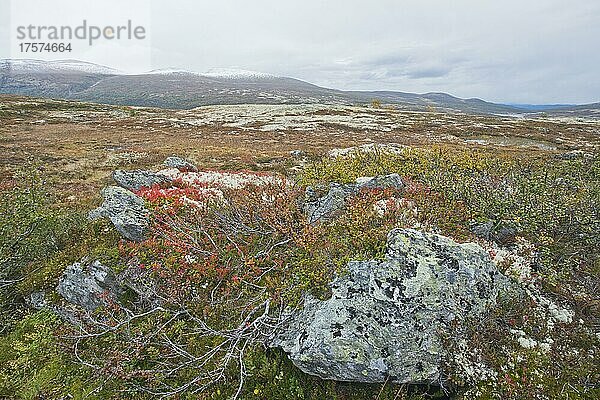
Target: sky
(535,51)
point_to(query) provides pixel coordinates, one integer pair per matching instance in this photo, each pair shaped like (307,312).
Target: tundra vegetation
(222,264)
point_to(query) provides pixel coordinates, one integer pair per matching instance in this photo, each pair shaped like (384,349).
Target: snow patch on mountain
(217,73)
(32,66)
(57,66)
(169,71)
(232,73)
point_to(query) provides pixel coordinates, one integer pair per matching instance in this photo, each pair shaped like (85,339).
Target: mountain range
(180,89)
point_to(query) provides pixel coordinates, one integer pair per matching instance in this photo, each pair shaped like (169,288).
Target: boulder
(390,181)
(385,318)
(180,163)
(125,210)
(135,180)
(323,208)
(88,285)
(502,232)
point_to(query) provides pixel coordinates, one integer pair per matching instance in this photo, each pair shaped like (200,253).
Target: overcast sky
(526,51)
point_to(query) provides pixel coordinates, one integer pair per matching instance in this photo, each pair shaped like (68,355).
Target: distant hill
(188,90)
(436,101)
(180,89)
(579,111)
(540,107)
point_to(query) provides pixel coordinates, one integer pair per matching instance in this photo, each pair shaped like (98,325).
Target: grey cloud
(538,51)
(432,72)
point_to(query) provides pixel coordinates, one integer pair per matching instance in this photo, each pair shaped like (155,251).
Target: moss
(33,365)
(272,377)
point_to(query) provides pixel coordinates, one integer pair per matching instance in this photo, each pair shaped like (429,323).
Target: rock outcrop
(88,285)
(135,180)
(180,163)
(322,208)
(384,318)
(125,210)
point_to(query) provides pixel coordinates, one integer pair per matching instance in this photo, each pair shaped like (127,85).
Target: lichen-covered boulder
(385,318)
(325,207)
(88,285)
(501,232)
(390,181)
(135,180)
(180,163)
(125,210)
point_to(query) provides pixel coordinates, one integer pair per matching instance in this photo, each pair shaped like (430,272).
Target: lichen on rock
(88,284)
(384,319)
(320,208)
(125,210)
(135,180)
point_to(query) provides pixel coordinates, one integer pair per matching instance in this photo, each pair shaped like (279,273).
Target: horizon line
(234,68)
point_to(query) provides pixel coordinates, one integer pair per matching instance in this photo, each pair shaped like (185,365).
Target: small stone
(38,300)
(323,208)
(501,232)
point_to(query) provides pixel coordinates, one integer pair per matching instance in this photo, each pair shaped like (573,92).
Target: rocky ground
(301,252)
(102,138)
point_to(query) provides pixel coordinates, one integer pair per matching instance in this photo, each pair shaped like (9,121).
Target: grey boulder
(180,163)
(501,232)
(322,208)
(390,181)
(88,285)
(135,180)
(384,318)
(126,211)
(325,207)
